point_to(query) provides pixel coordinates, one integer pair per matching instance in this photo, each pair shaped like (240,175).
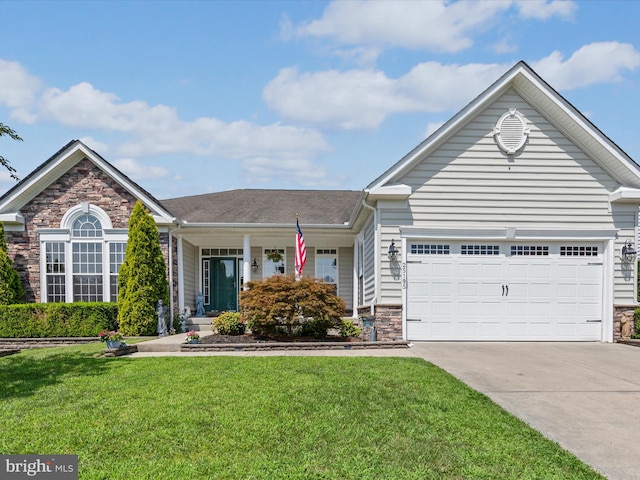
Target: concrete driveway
(584,396)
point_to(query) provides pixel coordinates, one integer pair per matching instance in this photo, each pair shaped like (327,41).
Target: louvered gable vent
(511,132)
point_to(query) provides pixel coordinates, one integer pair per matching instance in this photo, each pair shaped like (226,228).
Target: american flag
(301,250)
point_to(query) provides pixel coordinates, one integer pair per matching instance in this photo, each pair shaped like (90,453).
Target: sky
(192,97)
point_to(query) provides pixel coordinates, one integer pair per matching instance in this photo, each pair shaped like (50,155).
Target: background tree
(6,130)
(11,290)
(142,280)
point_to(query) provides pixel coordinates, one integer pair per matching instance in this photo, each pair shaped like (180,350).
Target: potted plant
(112,338)
(192,337)
(274,255)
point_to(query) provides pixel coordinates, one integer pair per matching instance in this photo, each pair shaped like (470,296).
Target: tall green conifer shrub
(11,290)
(142,280)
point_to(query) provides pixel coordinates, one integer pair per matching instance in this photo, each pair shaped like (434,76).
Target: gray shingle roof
(314,207)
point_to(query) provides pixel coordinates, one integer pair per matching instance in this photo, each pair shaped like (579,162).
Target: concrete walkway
(585,396)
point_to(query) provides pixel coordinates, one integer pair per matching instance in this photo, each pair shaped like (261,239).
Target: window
(480,249)
(529,250)
(116,259)
(87,272)
(55,268)
(429,249)
(578,251)
(327,266)
(82,258)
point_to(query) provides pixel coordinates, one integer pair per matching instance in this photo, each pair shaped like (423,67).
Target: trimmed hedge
(42,320)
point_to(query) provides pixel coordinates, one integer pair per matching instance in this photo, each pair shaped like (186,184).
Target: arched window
(82,259)
(87,226)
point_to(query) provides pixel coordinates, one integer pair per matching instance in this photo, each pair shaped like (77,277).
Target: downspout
(375,254)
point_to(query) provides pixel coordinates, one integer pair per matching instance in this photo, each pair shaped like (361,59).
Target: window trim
(64,235)
(324,253)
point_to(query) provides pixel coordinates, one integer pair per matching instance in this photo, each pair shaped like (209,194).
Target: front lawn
(264,418)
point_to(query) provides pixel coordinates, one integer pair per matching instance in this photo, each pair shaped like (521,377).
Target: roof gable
(533,89)
(60,163)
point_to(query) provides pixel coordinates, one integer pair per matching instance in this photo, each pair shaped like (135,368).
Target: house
(516,220)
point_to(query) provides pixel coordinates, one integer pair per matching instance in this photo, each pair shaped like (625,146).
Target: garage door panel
(490,309)
(466,308)
(502,297)
(491,329)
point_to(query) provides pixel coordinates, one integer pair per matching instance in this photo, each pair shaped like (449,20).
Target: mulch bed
(217,339)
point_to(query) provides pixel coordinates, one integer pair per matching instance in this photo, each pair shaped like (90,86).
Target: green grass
(264,418)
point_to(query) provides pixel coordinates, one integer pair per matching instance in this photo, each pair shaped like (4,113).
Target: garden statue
(200,305)
(186,314)
(161,311)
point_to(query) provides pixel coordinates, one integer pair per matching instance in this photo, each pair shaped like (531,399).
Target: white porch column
(246,260)
(180,276)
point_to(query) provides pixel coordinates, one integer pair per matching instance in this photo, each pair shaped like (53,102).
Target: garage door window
(479,249)
(529,250)
(429,249)
(578,251)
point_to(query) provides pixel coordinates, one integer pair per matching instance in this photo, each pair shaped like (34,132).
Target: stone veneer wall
(82,183)
(623,323)
(388,321)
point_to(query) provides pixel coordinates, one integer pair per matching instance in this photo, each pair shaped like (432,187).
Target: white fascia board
(15,217)
(625,194)
(389,192)
(507,233)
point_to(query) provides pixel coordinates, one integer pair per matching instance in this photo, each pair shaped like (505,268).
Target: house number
(404,276)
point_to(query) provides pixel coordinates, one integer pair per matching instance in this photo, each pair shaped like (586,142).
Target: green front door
(223,285)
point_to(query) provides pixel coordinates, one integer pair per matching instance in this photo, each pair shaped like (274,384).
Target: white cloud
(543,10)
(422,25)
(18,90)
(138,171)
(362,99)
(95,145)
(594,63)
(152,130)
(84,106)
(300,172)
(431,128)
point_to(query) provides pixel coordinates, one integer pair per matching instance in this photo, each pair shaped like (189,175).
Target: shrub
(11,290)
(229,323)
(283,301)
(315,327)
(349,329)
(142,280)
(41,320)
(636,323)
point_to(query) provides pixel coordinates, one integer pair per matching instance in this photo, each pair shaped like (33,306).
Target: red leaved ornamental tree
(283,301)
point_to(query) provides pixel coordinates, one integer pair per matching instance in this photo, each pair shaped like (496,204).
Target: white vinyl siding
(470,181)
(345,275)
(190,274)
(369,263)
(551,183)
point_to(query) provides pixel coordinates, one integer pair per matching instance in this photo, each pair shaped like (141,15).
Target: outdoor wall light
(393,251)
(628,252)
(254,266)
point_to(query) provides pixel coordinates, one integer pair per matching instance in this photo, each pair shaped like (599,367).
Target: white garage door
(504,291)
